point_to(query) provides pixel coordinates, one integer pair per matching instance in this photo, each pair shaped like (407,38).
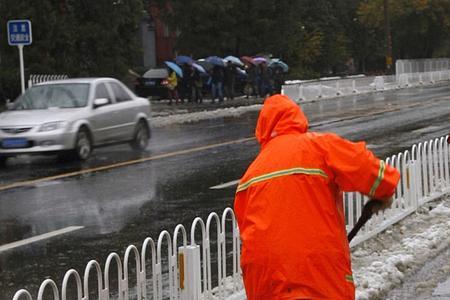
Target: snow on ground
(381,263)
(162,121)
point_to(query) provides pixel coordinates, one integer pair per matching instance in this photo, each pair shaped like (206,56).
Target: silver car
(74,116)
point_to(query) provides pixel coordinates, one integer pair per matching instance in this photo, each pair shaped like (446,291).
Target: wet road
(170,183)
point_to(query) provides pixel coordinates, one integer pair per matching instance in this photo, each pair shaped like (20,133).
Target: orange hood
(279,115)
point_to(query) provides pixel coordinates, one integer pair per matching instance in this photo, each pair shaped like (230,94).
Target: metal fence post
(415,180)
(338,92)
(190,270)
(301,96)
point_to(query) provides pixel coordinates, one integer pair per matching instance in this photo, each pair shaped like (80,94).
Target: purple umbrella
(259,60)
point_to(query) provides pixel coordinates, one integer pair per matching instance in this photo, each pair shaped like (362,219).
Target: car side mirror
(100,102)
(9,104)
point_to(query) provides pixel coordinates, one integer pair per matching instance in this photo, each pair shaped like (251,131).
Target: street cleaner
(289,206)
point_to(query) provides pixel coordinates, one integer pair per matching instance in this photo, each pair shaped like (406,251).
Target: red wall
(164,40)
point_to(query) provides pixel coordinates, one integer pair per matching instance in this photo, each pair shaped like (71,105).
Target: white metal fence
(329,88)
(208,266)
(38,78)
(407,66)
(185,272)
(424,177)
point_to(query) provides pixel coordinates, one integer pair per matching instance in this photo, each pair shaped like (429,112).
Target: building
(157,41)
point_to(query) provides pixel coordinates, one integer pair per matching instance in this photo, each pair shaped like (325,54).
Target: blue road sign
(19,32)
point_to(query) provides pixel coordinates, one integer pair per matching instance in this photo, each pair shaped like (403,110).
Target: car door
(127,109)
(103,117)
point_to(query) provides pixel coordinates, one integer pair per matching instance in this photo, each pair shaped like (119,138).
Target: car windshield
(64,95)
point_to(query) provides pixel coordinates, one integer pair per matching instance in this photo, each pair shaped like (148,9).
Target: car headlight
(52,126)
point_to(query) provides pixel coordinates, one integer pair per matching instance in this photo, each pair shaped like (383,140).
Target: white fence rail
(407,66)
(183,270)
(424,177)
(38,78)
(317,89)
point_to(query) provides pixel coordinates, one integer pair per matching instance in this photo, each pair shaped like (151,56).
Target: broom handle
(365,216)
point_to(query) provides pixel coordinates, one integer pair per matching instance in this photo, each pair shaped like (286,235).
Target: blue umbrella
(234,60)
(175,68)
(215,60)
(183,59)
(278,63)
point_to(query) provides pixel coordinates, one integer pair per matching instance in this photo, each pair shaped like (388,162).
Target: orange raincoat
(289,207)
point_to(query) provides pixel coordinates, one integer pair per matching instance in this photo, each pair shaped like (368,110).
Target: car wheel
(83,145)
(141,136)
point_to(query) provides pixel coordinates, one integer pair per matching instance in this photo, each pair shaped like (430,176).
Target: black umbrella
(205,64)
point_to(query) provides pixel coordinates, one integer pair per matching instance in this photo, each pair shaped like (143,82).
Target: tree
(420,28)
(73,37)
(305,33)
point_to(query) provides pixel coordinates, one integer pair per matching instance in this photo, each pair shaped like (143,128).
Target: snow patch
(162,121)
(382,263)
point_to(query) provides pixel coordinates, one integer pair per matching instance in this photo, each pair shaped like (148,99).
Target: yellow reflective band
(349,278)
(378,180)
(280,173)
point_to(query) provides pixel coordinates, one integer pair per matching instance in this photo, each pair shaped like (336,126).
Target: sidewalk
(162,108)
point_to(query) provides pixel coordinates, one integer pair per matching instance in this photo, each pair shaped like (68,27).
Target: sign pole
(22,69)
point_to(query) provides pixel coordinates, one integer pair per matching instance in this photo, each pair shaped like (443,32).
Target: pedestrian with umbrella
(172,80)
(264,79)
(278,69)
(229,80)
(251,87)
(277,79)
(186,83)
(253,79)
(196,83)
(172,86)
(217,77)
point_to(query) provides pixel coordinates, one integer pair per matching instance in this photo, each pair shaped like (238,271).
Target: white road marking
(225,185)
(39,238)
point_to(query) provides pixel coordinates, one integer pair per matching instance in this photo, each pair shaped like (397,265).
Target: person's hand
(382,204)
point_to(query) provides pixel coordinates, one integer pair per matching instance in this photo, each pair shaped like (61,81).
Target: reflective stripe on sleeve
(379,178)
(349,278)
(280,173)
